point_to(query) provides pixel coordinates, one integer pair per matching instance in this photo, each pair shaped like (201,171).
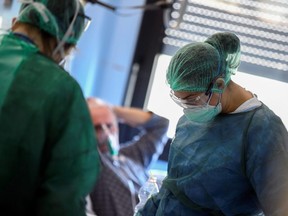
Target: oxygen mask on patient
(106,126)
(107,140)
(112,141)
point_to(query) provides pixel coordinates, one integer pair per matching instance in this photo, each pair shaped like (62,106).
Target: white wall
(105,51)
(6,14)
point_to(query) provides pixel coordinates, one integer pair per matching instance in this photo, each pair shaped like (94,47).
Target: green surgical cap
(196,65)
(54,17)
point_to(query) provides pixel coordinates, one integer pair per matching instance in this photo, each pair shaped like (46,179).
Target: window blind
(261,25)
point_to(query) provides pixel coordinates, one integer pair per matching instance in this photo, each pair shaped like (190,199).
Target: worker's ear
(13,20)
(220,83)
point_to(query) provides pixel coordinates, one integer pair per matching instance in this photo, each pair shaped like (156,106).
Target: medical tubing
(67,33)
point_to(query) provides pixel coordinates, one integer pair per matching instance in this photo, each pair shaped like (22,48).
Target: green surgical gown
(48,156)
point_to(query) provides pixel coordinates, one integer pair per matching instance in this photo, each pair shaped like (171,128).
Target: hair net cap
(228,46)
(195,65)
(54,17)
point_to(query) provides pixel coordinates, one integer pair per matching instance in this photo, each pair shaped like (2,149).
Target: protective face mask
(202,114)
(113,149)
(113,141)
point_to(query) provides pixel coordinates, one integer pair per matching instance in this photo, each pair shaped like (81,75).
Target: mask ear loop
(216,80)
(220,82)
(211,84)
(60,46)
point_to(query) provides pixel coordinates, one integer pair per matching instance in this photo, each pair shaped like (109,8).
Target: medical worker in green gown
(48,156)
(229,155)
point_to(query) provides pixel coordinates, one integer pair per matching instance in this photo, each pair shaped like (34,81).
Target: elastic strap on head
(44,12)
(41,9)
(60,46)
(38,6)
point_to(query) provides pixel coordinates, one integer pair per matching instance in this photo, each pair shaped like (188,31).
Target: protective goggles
(195,101)
(191,101)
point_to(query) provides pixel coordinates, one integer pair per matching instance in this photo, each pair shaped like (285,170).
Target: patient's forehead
(102,115)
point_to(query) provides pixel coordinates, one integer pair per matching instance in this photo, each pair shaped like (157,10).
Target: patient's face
(107,138)
(102,138)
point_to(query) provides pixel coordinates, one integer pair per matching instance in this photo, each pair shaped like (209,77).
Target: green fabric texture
(195,65)
(54,17)
(48,156)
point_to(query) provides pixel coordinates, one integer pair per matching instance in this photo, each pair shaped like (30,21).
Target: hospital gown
(235,165)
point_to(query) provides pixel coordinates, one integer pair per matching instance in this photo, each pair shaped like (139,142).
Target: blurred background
(124,54)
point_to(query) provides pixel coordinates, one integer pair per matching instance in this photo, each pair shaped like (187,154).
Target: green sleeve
(71,163)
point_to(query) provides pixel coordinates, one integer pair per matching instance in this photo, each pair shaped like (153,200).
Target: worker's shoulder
(47,78)
(48,71)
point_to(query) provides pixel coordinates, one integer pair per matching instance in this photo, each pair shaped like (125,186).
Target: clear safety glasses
(191,101)
(195,101)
